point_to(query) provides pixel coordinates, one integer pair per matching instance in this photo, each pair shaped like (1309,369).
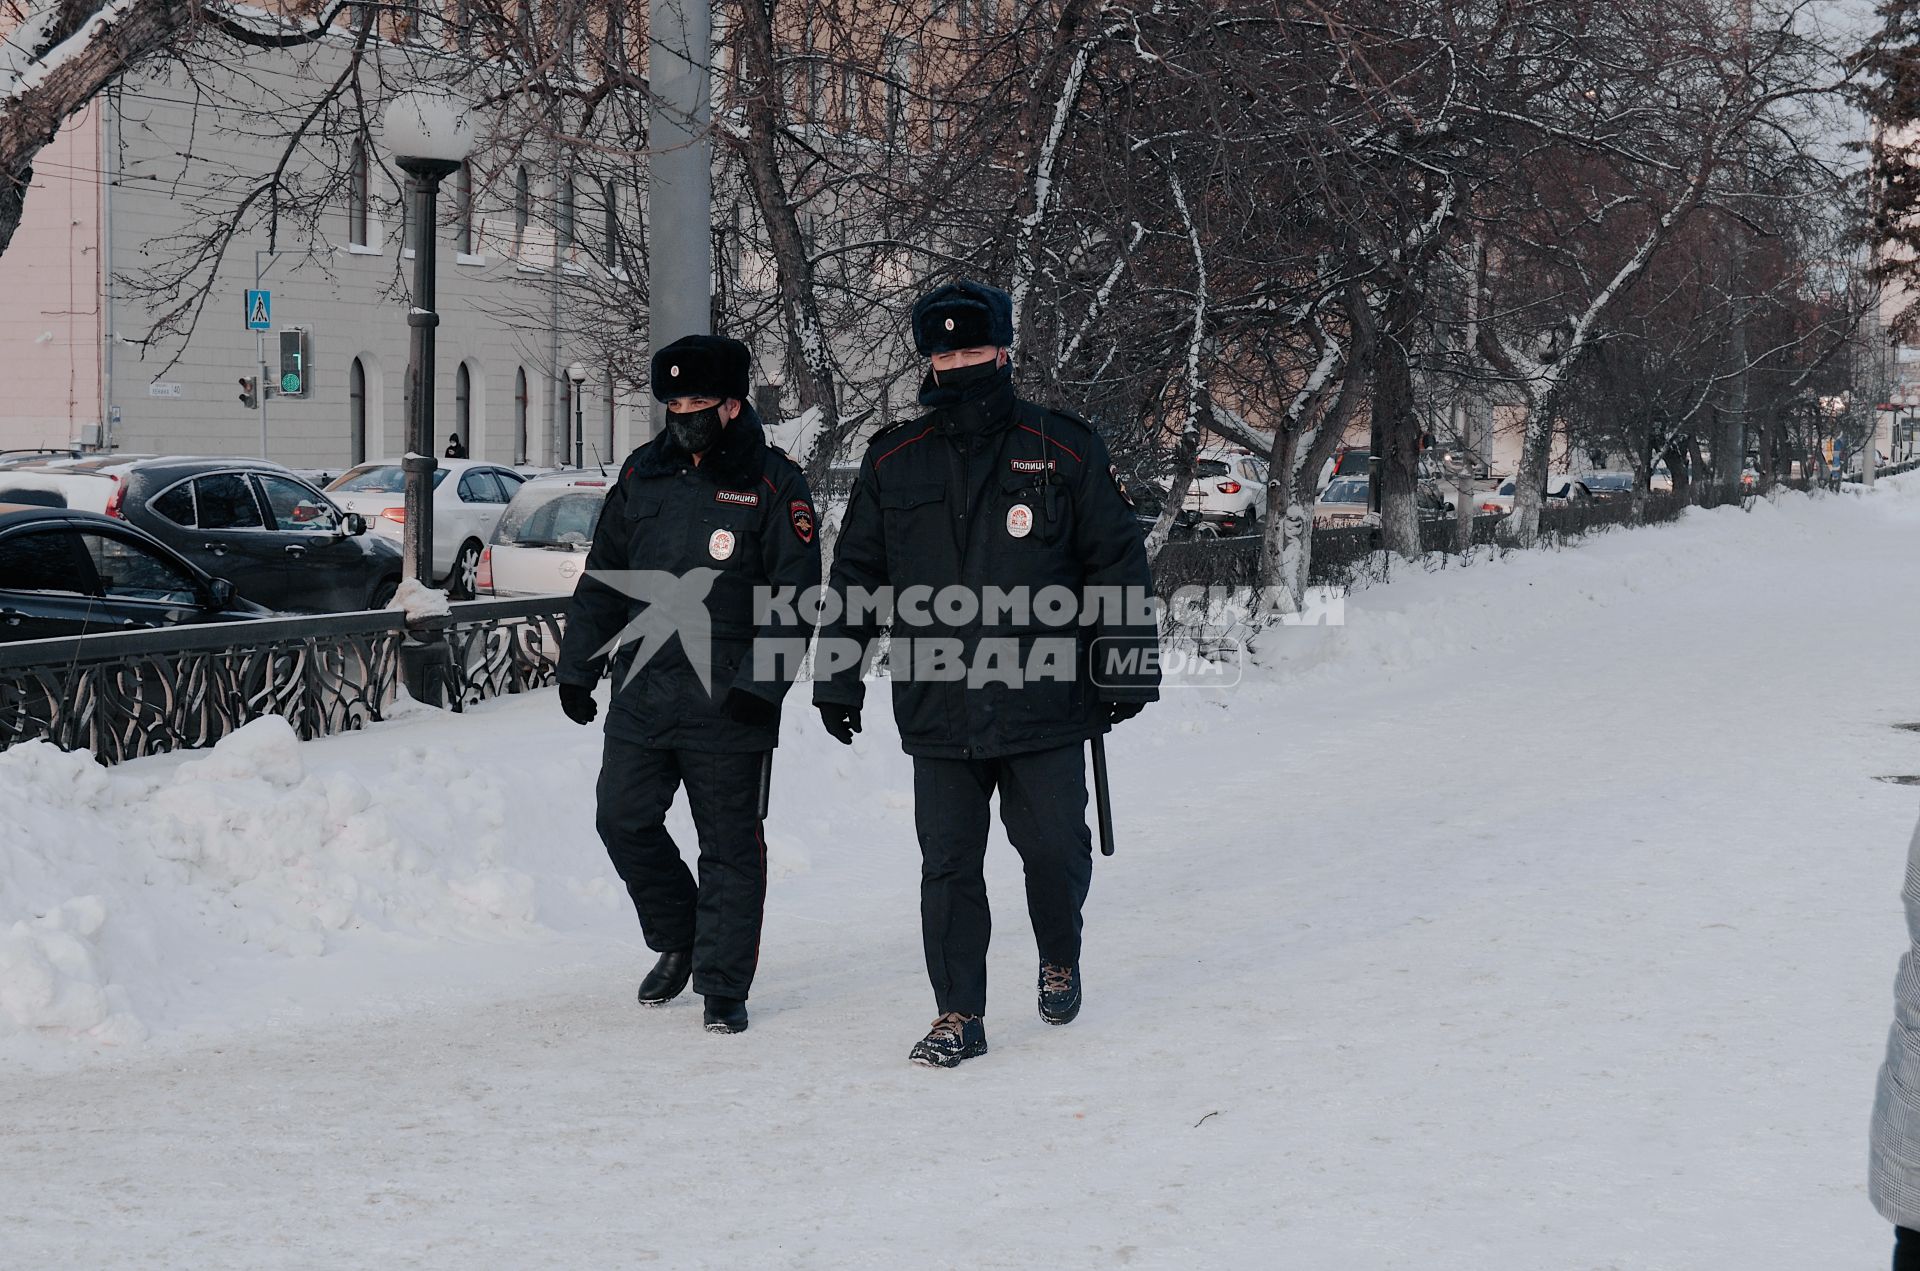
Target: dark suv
(64,573)
(282,543)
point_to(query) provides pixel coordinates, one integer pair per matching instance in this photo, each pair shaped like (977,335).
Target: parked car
(1228,494)
(1344,503)
(1148,501)
(1352,462)
(282,543)
(1561,489)
(65,572)
(540,546)
(1608,487)
(469,497)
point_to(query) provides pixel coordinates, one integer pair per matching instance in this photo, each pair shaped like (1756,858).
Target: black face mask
(694,431)
(963,378)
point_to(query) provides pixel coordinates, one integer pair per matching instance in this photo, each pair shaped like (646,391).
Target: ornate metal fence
(496,647)
(124,695)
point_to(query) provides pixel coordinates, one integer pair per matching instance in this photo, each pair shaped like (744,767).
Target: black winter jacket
(741,518)
(993,492)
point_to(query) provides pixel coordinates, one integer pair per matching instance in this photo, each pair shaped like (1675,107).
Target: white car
(540,546)
(1228,494)
(1560,489)
(469,497)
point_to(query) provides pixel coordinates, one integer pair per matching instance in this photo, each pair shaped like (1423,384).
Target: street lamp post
(429,138)
(577,376)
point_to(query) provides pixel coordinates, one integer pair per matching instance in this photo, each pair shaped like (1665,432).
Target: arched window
(357,411)
(463,404)
(520,415)
(358,191)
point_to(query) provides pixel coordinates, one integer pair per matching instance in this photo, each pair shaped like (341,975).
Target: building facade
(141,181)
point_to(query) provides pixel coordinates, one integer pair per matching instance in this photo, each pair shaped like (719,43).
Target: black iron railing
(127,694)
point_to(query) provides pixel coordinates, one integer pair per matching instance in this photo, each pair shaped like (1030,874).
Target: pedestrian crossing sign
(259,311)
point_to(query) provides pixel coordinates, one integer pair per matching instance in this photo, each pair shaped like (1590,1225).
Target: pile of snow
(121,889)
(419,601)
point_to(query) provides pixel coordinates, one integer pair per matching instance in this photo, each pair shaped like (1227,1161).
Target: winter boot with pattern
(955,1039)
(1059,992)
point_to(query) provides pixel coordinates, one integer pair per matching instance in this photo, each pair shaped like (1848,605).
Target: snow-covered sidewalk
(1544,916)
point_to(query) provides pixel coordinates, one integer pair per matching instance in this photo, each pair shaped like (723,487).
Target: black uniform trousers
(1043,804)
(719,919)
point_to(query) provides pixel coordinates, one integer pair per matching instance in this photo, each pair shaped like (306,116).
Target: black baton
(766,781)
(1102,797)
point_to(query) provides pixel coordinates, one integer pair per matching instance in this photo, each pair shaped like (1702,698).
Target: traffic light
(293,363)
(250,392)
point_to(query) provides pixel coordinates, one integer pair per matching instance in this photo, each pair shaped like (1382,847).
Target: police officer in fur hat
(702,517)
(987,491)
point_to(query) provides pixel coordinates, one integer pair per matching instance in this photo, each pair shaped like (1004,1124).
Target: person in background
(1894,1154)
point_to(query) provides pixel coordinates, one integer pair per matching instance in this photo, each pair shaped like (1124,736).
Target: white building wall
(185,398)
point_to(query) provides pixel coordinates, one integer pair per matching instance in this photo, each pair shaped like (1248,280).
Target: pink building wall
(51,331)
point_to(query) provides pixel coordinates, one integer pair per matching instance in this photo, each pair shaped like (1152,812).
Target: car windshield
(1506,487)
(1345,492)
(1351,463)
(1609,481)
(561,517)
(1211,468)
(380,478)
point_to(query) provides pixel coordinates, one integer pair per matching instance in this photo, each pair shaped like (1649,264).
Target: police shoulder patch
(800,513)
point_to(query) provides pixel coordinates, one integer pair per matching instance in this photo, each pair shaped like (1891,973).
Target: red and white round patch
(1019,520)
(720,546)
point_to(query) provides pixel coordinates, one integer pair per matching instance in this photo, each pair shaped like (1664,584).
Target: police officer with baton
(986,491)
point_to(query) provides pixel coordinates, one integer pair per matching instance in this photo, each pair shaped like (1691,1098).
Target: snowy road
(1545,916)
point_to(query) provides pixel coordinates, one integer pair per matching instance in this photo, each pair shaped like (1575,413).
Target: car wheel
(464,578)
(383,593)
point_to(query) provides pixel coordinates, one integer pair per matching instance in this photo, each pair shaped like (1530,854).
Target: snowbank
(118,887)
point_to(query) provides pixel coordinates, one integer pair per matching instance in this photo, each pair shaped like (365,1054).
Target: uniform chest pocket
(653,540)
(1031,514)
(906,506)
(910,516)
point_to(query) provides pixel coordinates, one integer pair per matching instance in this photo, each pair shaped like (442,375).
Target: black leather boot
(668,977)
(726,1014)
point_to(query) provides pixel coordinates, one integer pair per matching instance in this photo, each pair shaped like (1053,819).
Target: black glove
(578,703)
(743,707)
(842,721)
(1120,712)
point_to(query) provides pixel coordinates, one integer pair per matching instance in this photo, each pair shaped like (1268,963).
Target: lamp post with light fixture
(577,376)
(428,135)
